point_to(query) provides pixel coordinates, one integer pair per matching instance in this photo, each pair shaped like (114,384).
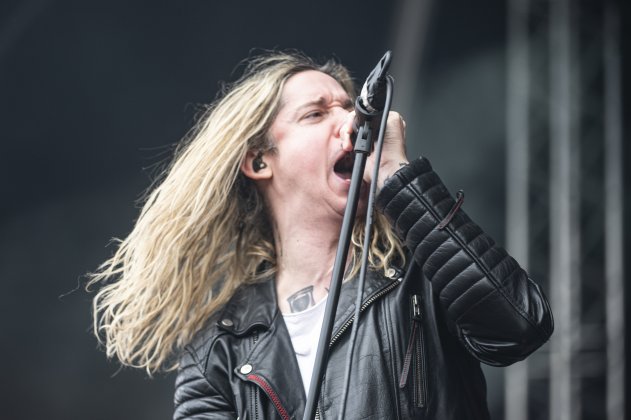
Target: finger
(397,121)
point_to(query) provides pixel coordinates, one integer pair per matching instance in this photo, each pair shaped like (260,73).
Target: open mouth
(344,166)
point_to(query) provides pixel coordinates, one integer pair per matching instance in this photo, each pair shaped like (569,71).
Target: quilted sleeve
(196,397)
(497,312)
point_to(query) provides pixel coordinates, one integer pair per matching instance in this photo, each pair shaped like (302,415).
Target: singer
(226,272)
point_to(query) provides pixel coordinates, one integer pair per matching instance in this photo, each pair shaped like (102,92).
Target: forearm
(498,313)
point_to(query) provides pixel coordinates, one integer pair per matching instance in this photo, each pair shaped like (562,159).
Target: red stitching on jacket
(268,389)
(452,212)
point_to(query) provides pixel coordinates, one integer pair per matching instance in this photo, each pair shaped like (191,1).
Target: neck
(305,257)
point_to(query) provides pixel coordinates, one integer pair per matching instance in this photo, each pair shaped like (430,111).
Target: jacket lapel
(274,364)
(271,363)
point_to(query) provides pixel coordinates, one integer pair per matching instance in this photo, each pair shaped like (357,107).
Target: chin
(362,206)
(363,197)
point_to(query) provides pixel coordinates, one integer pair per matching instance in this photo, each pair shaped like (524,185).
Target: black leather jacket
(461,300)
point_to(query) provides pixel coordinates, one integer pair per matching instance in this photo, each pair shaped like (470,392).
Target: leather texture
(424,330)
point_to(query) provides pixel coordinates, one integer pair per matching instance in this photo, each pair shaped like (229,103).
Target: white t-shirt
(304,330)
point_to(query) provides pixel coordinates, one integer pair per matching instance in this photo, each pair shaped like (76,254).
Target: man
(230,262)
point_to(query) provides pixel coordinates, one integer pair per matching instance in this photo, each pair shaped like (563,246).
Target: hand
(393,154)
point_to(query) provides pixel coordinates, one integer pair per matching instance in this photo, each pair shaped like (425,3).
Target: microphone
(369,105)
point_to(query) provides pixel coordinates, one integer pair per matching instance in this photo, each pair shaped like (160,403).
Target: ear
(255,167)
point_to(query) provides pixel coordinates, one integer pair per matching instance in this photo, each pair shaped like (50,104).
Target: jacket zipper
(255,393)
(256,405)
(415,356)
(367,303)
(421,368)
(350,321)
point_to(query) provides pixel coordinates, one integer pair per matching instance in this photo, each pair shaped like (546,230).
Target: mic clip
(369,107)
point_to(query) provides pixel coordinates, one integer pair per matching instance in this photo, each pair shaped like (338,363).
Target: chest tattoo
(301,300)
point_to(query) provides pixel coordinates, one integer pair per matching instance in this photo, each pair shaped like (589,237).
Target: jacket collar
(256,305)
(251,306)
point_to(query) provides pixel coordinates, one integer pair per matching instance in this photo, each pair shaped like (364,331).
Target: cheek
(299,154)
(303,153)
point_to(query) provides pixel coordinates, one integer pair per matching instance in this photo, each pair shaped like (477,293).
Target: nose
(345,130)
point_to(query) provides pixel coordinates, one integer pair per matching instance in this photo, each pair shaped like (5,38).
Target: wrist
(388,169)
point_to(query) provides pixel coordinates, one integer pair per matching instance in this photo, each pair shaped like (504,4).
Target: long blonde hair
(203,230)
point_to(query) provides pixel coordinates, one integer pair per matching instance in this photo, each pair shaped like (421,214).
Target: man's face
(306,133)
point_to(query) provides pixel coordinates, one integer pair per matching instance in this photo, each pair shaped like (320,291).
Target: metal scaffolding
(614,262)
(564,203)
(517,177)
(411,25)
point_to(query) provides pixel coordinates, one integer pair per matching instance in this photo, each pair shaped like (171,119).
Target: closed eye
(313,115)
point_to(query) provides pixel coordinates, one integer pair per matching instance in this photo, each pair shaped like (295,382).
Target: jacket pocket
(415,359)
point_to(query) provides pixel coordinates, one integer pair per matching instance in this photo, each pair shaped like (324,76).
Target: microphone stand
(362,148)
